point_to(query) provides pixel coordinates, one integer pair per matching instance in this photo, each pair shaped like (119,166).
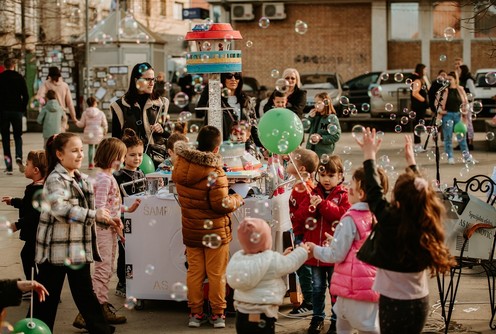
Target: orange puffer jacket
(201,198)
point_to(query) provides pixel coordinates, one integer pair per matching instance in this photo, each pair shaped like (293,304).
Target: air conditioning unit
(242,12)
(274,11)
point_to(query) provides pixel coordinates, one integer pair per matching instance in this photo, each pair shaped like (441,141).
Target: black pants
(14,118)
(266,325)
(121,263)
(52,277)
(27,258)
(402,316)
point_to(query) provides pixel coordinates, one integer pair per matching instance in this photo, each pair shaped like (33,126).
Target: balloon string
(299,175)
(32,293)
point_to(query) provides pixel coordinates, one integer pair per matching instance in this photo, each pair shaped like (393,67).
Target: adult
(159,87)
(139,109)
(297,98)
(14,101)
(467,81)
(419,99)
(11,292)
(236,105)
(450,101)
(55,82)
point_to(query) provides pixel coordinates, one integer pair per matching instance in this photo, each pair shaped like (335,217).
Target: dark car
(357,90)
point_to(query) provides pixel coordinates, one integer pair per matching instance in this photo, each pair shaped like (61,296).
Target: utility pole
(87,47)
(23,33)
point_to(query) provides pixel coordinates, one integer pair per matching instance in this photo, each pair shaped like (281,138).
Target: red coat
(327,214)
(299,203)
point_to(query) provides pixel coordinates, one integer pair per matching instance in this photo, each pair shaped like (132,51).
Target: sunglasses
(290,78)
(149,79)
(236,76)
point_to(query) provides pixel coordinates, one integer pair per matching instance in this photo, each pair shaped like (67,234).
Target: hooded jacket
(199,198)
(95,125)
(62,92)
(258,278)
(51,118)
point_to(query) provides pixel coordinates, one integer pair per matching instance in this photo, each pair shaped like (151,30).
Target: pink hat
(254,235)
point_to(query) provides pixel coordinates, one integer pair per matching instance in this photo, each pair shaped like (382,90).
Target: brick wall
(483,55)
(403,54)
(442,56)
(338,39)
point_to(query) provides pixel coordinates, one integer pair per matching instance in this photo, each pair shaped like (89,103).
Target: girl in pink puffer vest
(95,125)
(357,304)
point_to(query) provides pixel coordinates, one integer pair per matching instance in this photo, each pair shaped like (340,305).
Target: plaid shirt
(66,232)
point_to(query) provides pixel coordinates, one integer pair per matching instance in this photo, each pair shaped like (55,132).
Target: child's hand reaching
(309,248)
(409,156)
(312,112)
(7,200)
(328,240)
(370,144)
(287,251)
(315,200)
(134,206)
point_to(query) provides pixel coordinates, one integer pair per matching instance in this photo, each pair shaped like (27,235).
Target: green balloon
(31,326)
(147,165)
(280,130)
(460,127)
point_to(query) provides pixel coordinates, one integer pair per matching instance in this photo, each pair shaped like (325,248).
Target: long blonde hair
(328,107)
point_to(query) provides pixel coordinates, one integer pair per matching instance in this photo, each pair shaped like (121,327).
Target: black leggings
(266,325)
(402,316)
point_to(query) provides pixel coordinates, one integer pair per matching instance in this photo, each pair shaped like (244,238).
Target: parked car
(357,90)
(251,86)
(322,82)
(390,94)
(485,92)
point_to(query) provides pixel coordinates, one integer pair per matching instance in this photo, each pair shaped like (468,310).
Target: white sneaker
(451,161)
(419,149)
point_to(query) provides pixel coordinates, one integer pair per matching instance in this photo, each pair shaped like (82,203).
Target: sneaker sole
(195,324)
(301,314)
(219,325)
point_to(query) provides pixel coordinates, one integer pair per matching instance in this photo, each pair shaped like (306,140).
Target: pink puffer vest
(353,278)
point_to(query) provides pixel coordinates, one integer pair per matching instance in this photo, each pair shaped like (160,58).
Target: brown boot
(109,313)
(79,322)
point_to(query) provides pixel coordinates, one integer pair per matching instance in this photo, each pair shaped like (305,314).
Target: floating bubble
(388,107)
(459,136)
(321,169)
(392,116)
(404,120)
(5,228)
(444,156)
(379,134)
(198,88)
(255,237)
(181,99)
(300,27)
(420,130)
(314,138)
(205,58)
(490,136)
(398,77)
(264,22)
(261,207)
(443,58)
(149,269)
(385,76)
(398,128)
(128,27)
(194,128)
(225,92)
(324,159)
(179,292)
(283,145)
(346,111)
(476,107)
(226,202)
(211,240)
(206,46)
(357,132)
(464,171)
(72,264)
(449,123)
(167,86)
(130,303)
(311,223)
(312,208)
(306,124)
(347,165)
(490,78)
(449,33)
(228,38)
(208,224)
(249,44)
(262,323)
(282,85)
(365,107)
(274,73)
(409,81)
(344,100)
(412,114)
(346,150)
(332,129)
(275,132)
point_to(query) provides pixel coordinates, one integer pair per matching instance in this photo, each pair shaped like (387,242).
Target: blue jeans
(304,275)
(14,118)
(449,121)
(321,277)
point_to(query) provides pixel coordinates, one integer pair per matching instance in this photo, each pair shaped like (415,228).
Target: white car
(390,94)
(316,83)
(485,91)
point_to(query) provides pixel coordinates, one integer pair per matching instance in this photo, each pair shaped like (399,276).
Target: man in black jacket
(13,102)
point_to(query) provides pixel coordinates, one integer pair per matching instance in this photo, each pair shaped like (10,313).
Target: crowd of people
(370,254)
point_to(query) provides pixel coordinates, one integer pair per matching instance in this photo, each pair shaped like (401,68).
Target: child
(302,166)
(94,122)
(280,99)
(66,234)
(357,304)
(328,203)
(131,180)
(254,271)
(11,292)
(408,239)
(109,156)
(200,200)
(325,130)
(168,163)
(241,133)
(29,208)
(51,116)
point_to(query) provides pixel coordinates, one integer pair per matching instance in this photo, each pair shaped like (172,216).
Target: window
(485,19)
(403,20)
(446,14)
(145,7)
(163,8)
(177,11)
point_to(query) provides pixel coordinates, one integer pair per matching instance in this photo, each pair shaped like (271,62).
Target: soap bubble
(449,33)
(388,107)
(249,44)
(208,224)
(306,124)
(404,120)
(443,58)
(344,100)
(264,22)
(255,237)
(490,136)
(398,77)
(420,130)
(476,107)
(398,128)
(314,138)
(226,202)
(274,73)
(206,46)
(194,128)
(212,241)
(357,132)
(385,76)
(346,149)
(149,269)
(311,223)
(365,107)
(282,85)
(392,116)
(130,303)
(490,78)
(301,27)
(179,292)
(332,129)
(181,99)
(347,165)
(324,159)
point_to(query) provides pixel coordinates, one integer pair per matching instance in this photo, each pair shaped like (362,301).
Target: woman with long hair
(297,98)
